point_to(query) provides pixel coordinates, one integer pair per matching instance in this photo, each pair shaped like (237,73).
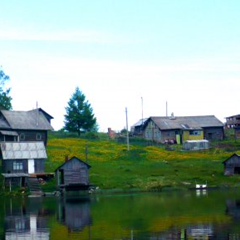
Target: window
(17,166)
(195,133)
(38,137)
(22,136)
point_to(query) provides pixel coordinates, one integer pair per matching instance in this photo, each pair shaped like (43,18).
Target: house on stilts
(73,175)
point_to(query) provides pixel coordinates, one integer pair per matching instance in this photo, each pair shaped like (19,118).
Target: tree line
(79,115)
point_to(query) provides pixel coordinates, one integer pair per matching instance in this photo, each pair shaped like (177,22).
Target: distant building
(180,129)
(234,123)
(111,134)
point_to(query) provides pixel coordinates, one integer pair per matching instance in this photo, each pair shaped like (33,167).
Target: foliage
(79,114)
(5,98)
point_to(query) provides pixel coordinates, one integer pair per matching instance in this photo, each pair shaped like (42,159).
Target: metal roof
(11,175)
(25,120)
(140,122)
(189,122)
(9,133)
(23,150)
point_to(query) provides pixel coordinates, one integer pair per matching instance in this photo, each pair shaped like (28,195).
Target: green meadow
(145,166)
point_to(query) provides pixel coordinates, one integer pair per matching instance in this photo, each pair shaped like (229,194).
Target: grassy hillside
(143,167)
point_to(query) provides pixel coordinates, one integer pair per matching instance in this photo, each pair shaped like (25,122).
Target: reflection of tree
(75,213)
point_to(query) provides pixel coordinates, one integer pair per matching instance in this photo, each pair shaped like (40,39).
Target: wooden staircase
(34,186)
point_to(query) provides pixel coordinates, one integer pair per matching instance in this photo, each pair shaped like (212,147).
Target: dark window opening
(237,170)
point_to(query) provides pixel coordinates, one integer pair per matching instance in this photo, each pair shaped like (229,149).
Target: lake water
(167,215)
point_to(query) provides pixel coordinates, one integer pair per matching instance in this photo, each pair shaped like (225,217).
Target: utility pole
(127,129)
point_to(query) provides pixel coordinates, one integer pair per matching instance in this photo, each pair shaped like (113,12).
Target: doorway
(31,167)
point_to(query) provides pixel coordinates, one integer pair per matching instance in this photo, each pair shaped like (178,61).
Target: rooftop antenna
(166,109)
(37,113)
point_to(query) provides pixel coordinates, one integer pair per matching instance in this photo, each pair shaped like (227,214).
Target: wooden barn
(232,165)
(73,175)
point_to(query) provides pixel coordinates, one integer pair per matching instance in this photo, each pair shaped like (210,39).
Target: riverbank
(144,168)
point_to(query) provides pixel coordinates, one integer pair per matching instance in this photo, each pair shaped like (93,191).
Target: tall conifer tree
(79,114)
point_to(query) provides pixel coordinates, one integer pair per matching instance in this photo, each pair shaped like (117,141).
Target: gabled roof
(23,150)
(36,119)
(71,159)
(186,123)
(234,154)
(140,122)
(233,116)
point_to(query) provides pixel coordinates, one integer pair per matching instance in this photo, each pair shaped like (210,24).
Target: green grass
(144,167)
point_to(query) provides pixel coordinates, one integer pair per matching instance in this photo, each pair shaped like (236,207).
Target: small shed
(232,165)
(73,175)
(192,145)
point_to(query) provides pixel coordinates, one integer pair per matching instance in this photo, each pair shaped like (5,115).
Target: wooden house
(233,122)
(73,175)
(232,165)
(25,126)
(21,160)
(23,157)
(23,140)
(180,129)
(138,128)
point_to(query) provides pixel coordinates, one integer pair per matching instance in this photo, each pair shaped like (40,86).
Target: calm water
(188,215)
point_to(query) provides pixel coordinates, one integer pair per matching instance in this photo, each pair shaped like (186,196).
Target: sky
(132,59)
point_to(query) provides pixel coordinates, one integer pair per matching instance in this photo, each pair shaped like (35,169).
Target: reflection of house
(73,175)
(23,140)
(232,165)
(75,214)
(233,208)
(23,224)
(180,129)
(200,232)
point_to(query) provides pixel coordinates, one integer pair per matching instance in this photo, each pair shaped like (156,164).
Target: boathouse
(232,165)
(73,175)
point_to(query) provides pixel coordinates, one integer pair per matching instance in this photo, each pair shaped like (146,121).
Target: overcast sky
(134,54)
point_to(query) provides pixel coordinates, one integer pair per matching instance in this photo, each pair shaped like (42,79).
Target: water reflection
(233,208)
(74,213)
(26,220)
(162,216)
